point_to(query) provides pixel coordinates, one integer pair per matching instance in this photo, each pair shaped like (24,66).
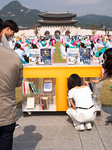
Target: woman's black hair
(82,44)
(34,46)
(108,62)
(66,48)
(92,45)
(17,45)
(74,80)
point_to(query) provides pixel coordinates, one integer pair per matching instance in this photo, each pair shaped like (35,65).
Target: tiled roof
(57,22)
(57,15)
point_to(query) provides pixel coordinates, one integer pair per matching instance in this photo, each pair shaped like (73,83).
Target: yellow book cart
(50,93)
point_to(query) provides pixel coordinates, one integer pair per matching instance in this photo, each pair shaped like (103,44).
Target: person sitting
(66,48)
(82,45)
(34,46)
(108,43)
(82,110)
(21,53)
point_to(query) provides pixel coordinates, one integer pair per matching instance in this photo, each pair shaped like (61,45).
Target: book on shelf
(90,85)
(44,103)
(72,56)
(34,56)
(35,87)
(47,85)
(29,87)
(85,55)
(23,87)
(54,99)
(41,103)
(30,102)
(26,89)
(32,87)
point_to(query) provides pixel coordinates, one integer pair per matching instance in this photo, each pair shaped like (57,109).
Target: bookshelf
(58,73)
(39,94)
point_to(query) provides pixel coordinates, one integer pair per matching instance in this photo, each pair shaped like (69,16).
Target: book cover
(47,103)
(91,86)
(85,55)
(24,87)
(27,89)
(41,103)
(32,87)
(44,103)
(47,85)
(35,87)
(30,102)
(45,56)
(34,56)
(72,56)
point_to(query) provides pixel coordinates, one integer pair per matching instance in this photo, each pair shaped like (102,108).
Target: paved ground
(54,131)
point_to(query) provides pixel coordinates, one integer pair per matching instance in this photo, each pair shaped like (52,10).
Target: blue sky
(80,7)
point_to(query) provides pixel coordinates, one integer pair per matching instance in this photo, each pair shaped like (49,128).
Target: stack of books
(44,103)
(29,87)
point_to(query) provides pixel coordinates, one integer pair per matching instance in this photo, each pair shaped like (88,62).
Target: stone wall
(73,31)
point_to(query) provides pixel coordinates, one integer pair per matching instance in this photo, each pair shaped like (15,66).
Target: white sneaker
(88,126)
(80,127)
(17,126)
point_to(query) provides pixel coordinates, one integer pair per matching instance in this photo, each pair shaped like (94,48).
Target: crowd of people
(93,42)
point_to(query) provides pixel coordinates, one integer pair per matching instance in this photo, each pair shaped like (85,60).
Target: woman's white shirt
(20,53)
(81,96)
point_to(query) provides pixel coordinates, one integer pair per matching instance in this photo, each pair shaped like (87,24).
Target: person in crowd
(108,43)
(82,110)
(92,52)
(21,53)
(66,48)
(34,46)
(9,29)
(95,48)
(100,58)
(82,45)
(107,66)
(11,76)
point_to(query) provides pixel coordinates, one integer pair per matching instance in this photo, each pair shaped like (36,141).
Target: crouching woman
(82,111)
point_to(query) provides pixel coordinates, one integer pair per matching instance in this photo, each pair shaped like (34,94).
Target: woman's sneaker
(80,127)
(88,126)
(17,126)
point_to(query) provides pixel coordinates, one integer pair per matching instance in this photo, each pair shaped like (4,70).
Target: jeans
(6,137)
